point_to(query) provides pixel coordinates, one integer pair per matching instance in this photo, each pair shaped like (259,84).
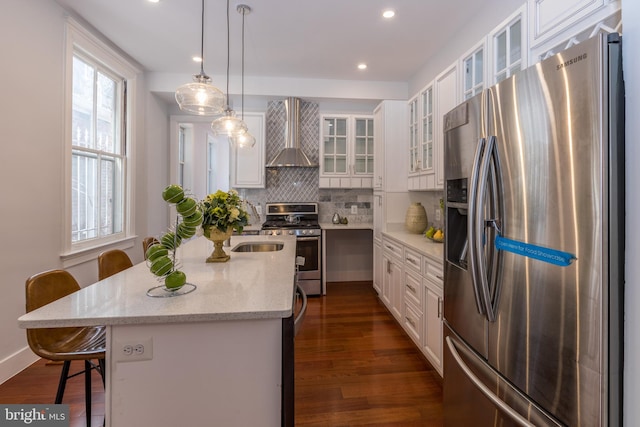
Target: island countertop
(251,285)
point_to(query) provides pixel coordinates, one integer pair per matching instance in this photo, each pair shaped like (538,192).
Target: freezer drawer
(475,395)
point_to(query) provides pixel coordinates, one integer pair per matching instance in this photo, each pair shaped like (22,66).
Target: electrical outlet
(259,209)
(134,351)
(354,209)
(437,214)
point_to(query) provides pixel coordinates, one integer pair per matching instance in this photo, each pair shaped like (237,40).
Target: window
(98,137)
(98,152)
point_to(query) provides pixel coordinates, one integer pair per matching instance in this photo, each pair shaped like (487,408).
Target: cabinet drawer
(412,322)
(413,260)
(413,290)
(433,272)
(392,248)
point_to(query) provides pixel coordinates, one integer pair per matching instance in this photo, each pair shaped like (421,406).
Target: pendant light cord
(242,84)
(228,54)
(202,42)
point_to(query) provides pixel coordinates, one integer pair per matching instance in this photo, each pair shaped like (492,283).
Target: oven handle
(309,238)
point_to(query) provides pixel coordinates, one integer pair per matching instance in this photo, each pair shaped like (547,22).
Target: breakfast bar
(214,356)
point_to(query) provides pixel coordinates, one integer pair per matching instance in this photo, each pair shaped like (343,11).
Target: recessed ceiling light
(362,66)
(196,58)
(153,1)
(389,13)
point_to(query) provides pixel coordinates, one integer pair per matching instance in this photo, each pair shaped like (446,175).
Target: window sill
(74,258)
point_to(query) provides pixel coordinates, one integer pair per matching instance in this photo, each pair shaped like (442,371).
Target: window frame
(81,42)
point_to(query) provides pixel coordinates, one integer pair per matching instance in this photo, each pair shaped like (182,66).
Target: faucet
(254,211)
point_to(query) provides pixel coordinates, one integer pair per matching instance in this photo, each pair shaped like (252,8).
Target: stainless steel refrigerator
(535,245)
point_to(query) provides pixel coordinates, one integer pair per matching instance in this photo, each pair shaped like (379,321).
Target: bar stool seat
(64,344)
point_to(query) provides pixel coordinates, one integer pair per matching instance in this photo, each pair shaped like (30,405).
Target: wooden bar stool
(112,262)
(64,344)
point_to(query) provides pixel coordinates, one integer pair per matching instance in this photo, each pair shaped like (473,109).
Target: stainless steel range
(301,220)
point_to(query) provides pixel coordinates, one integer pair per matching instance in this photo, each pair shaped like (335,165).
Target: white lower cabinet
(432,347)
(378,266)
(412,291)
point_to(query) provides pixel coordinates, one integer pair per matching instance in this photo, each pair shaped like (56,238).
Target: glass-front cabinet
(422,139)
(363,148)
(346,157)
(509,44)
(414,160)
(426,118)
(334,145)
(473,73)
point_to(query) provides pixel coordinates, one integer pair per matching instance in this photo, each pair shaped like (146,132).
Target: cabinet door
(446,88)
(378,267)
(363,146)
(473,72)
(509,45)
(433,324)
(426,139)
(378,147)
(415,163)
(248,163)
(378,215)
(334,146)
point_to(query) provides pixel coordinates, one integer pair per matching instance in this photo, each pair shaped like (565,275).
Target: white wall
(631,66)
(32,123)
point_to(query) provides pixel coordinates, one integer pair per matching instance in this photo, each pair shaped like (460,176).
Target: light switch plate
(354,209)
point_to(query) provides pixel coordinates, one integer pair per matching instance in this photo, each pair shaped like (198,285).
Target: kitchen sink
(258,247)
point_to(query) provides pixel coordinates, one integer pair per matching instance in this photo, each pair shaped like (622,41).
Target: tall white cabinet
(248,163)
(389,172)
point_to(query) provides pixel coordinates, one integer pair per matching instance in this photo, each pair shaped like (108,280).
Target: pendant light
(200,97)
(244,139)
(228,124)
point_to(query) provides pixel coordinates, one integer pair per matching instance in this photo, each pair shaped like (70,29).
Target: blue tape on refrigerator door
(552,256)
(34,415)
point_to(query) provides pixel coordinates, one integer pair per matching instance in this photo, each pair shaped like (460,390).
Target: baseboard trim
(15,363)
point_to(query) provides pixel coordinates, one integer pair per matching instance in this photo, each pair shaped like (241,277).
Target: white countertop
(420,243)
(350,226)
(251,285)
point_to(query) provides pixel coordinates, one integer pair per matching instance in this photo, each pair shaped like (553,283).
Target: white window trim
(79,38)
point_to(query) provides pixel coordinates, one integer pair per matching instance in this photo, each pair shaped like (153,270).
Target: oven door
(310,274)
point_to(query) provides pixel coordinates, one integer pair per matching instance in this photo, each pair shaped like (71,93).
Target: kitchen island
(220,355)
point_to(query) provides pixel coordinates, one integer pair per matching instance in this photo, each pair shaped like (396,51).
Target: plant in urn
(416,218)
(221,214)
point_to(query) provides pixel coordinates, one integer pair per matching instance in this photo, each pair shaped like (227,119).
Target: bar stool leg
(87,390)
(63,380)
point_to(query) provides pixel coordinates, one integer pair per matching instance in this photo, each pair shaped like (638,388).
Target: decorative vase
(217,237)
(416,219)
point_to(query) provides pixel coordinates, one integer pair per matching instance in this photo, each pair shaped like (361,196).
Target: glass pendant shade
(243,140)
(228,124)
(200,97)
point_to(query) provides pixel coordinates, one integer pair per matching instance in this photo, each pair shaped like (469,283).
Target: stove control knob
(276,232)
(304,231)
(291,232)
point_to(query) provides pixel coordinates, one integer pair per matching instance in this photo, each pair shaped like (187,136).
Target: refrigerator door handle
(478,232)
(499,403)
(472,224)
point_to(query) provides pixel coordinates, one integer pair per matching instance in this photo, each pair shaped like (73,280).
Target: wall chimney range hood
(292,155)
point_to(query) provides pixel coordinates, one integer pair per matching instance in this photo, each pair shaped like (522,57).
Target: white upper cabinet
(248,164)
(508,43)
(446,98)
(346,151)
(472,69)
(390,142)
(559,24)
(422,113)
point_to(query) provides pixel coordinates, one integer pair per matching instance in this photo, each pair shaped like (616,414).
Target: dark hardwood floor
(354,367)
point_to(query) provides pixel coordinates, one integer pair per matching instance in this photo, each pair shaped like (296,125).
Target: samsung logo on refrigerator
(571,61)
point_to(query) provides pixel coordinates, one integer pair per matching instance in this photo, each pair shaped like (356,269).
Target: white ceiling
(317,39)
